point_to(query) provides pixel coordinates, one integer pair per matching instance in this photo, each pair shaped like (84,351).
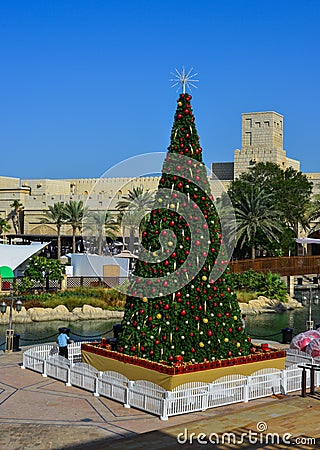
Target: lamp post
(308,301)
(10,331)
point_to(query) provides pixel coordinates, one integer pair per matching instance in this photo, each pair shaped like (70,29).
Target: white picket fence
(186,398)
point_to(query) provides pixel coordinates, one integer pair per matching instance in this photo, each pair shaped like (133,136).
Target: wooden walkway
(284,266)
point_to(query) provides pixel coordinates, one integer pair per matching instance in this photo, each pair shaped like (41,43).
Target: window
(248,123)
(258,124)
(267,123)
(248,138)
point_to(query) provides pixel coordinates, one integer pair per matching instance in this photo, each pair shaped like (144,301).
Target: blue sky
(85,84)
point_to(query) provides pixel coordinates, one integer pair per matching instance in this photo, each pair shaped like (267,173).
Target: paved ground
(41,413)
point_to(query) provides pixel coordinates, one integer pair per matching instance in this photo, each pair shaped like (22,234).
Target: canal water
(260,326)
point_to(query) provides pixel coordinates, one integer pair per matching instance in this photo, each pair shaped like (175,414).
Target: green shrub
(270,285)
(273,287)
(75,298)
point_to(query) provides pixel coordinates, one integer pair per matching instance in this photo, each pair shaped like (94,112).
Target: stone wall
(60,312)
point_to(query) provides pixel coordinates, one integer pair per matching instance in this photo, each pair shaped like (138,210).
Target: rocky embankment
(62,313)
(259,306)
(266,305)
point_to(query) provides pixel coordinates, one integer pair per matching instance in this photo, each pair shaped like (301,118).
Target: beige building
(36,195)
(262,140)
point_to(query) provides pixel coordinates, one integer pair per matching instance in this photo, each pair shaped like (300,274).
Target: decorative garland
(259,353)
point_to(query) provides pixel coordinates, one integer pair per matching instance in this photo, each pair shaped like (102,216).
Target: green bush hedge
(270,285)
(76,298)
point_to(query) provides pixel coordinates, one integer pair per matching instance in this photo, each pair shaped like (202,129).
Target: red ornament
(183,312)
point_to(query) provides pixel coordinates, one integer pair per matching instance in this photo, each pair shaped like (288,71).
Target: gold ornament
(170,244)
(238,344)
(144,299)
(226,340)
(235,318)
(204,278)
(179,103)
(158,316)
(205,320)
(201,344)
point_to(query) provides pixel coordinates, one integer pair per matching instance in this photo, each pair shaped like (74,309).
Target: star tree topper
(184,78)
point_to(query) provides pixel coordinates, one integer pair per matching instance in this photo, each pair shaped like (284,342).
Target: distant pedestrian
(63,341)
(243,320)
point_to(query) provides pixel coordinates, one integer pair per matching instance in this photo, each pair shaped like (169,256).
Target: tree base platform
(171,376)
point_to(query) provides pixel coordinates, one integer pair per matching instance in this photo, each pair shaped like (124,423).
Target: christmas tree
(180,302)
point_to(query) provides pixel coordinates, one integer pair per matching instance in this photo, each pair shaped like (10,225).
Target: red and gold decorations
(178,304)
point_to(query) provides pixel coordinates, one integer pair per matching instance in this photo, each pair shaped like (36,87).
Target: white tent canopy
(15,255)
(306,240)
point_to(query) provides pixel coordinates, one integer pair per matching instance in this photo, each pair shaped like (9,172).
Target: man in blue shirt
(63,341)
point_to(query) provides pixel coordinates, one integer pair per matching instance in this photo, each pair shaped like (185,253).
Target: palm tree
(134,209)
(15,214)
(4,226)
(256,213)
(100,224)
(74,214)
(57,216)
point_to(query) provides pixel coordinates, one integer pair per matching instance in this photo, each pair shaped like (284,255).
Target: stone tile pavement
(42,413)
